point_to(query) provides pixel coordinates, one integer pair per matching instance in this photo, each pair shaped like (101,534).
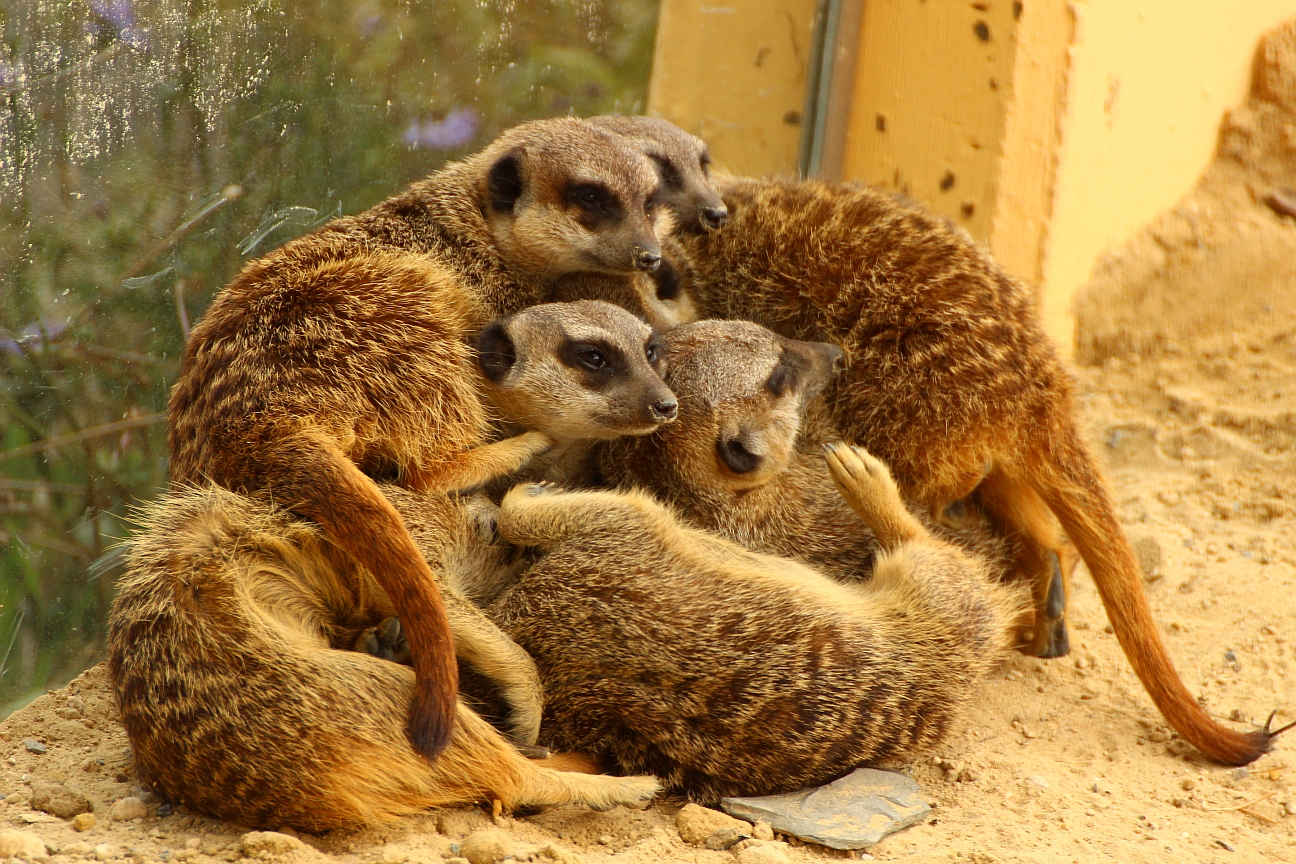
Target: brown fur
(665,648)
(725,375)
(343,351)
(951,381)
(222,651)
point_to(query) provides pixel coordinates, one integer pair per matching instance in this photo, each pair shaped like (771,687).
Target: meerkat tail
(328,488)
(1071,486)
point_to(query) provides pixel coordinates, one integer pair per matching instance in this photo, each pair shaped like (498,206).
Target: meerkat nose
(665,409)
(714,217)
(647,261)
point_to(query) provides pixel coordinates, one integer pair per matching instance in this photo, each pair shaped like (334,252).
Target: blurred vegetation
(148,149)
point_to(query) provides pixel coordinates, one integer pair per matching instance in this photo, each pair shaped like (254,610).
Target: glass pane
(148,148)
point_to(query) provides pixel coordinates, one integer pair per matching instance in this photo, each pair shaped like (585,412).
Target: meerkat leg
(1043,559)
(479,465)
(866,484)
(540,514)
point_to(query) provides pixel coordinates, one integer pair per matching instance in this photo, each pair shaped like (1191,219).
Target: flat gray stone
(854,812)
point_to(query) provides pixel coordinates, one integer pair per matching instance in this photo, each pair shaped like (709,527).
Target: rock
(77,847)
(21,844)
(58,799)
(268,845)
(488,846)
(723,838)
(84,821)
(127,809)
(854,812)
(695,824)
(764,853)
(761,830)
(1240,773)
(1150,556)
(557,853)
(104,852)
(1037,780)
(34,746)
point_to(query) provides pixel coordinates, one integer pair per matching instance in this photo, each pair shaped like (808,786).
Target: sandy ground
(1194,323)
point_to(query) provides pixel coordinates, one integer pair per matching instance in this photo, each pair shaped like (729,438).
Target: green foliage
(147,149)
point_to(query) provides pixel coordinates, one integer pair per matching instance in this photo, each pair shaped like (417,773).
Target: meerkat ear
(495,352)
(504,181)
(806,365)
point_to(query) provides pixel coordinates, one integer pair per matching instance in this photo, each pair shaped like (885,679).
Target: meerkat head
(561,196)
(684,167)
(583,370)
(742,391)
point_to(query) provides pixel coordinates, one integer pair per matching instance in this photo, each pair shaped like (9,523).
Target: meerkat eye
(593,359)
(705,162)
(590,198)
(651,352)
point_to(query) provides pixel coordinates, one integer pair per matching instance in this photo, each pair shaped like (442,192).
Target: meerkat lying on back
(665,648)
(222,636)
(343,353)
(950,379)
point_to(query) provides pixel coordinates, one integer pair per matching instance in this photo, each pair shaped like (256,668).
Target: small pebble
(765,853)
(21,844)
(34,746)
(164,810)
(104,852)
(127,809)
(269,845)
(489,846)
(695,823)
(725,837)
(1240,774)
(84,821)
(762,830)
(77,847)
(1038,781)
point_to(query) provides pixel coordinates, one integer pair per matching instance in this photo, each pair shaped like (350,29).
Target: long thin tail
(327,487)
(1070,484)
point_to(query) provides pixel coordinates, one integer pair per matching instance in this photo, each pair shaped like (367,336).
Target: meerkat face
(742,391)
(684,166)
(562,197)
(583,370)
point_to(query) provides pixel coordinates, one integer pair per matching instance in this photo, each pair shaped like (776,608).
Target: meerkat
(730,463)
(950,380)
(665,648)
(342,352)
(227,652)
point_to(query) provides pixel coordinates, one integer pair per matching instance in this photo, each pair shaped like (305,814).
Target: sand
(1192,408)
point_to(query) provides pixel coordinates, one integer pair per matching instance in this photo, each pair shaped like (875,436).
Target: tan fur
(665,648)
(951,381)
(343,351)
(222,650)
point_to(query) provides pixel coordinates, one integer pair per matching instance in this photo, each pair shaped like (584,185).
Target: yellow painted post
(734,73)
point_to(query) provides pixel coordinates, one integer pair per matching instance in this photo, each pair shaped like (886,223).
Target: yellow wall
(1149,83)
(928,114)
(734,73)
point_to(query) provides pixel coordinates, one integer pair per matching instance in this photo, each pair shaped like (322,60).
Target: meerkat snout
(577,371)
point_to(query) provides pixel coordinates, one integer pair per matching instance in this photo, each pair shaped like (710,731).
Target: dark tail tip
(431,722)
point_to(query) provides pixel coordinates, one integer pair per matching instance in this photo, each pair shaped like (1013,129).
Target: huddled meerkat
(951,380)
(665,648)
(224,653)
(343,352)
(731,465)
(208,581)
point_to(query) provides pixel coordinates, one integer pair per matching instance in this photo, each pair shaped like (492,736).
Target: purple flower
(121,16)
(32,334)
(450,132)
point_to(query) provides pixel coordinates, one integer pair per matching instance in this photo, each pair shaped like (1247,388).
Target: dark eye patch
(666,170)
(596,204)
(787,374)
(597,361)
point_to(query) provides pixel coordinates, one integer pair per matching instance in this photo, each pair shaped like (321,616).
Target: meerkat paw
(535,443)
(386,642)
(866,484)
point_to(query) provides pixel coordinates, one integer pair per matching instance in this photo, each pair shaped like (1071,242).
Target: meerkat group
(344,400)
